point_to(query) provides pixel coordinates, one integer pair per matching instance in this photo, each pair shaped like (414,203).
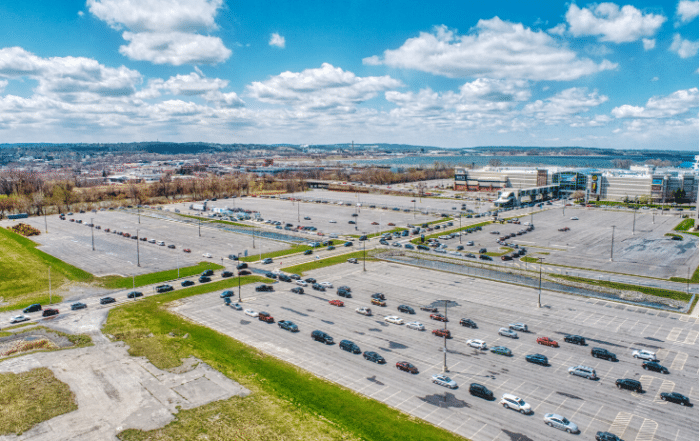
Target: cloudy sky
(441,73)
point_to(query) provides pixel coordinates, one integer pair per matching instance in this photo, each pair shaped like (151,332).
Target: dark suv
(406,309)
(349,346)
(344,293)
(626,383)
(263,288)
(575,339)
(164,288)
(379,296)
(606,436)
(207,273)
(32,308)
(537,359)
(322,337)
(654,366)
(241,266)
(48,312)
(480,390)
(603,353)
(106,300)
(468,323)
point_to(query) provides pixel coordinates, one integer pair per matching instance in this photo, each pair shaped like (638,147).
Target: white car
(444,380)
(478,344)
(518,327)
(574,218)
(645,355)
(251,312)
(418,326)
(19,318)
(207,255)
(507,332)
(510,401)
(332,222)
(301,283)
(561,423)
(394,319)
(455,253)
(364,311)
(326,284)
(470,243)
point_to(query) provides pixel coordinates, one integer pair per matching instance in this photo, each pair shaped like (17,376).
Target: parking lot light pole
(239,285)
(138,209)
(92,231)
(539,292)
(612,243)
(138,255)
(46,225)
(298,214)
(460,228)
(634,219)
(444,343)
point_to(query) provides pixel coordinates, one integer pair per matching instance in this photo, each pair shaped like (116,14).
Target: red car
(265,317)
(406,366)
(49,312)
(375,223)
(378,302)
(442,333)
(336,303)
(187,250)
(244,273)
(391,224)
(547,342)
(439,317)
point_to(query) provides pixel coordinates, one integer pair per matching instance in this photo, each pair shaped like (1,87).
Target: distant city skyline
(445,74)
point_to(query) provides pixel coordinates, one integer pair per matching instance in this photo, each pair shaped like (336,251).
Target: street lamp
(138,255)
(444,340)
(414,208)
(46,225)
(460,228)
(612,243)
(92,231)
(364,256)
(239,278)
(539,293)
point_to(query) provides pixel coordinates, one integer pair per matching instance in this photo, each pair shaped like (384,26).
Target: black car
(675,397)
(270,275)
(32,308)
(310,280)
(629,384)
(362,238)
(106,300)
(482,251)
(134,294)
(294,276)
(374,357)
(164,288)
(406,309)
(607,436)
(378,296)
(349,346)
(469,323)
(264,288)
(171,246)
(603,353)
(232,257)
(347,244)
(480,390)
(575,339)
(460,247)
(204,279)
(654,366)
(307,252)
(241,266)
(187,283)
(537,359)
(322,337)
(484,257)
(78,305)
(345,288)
(318,287)
(49,312)
(226,274)
(344,293)
(428,308)
(298,290)
(289,326)
(284,278)
(207,273)
(227,293)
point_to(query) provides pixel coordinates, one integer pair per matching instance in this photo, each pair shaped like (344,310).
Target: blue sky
(444,73)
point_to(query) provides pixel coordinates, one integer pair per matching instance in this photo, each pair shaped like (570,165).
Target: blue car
(227,293)
(501,350)
(408,246)
(348,244)
(288,325)
(537,359)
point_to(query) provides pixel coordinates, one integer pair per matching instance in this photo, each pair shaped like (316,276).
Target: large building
(657,184)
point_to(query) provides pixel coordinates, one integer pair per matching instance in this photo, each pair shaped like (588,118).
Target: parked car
(227,293)
(654,366)
(546,341)
(204,279)
(374,357)
(19,318)
(134,294)
(378,302)
(518,327)
(226,274)
(510,401)
(406,309)
(628,383)
(428,308)
(347,345)
(163,288)
(75,306)
(480,390)
(106,300)
(478,344)
(469,323)
(439,317)
(336,303)
(49,312)
(406,367)
(575,339)
(442,333)
(559,422)
(396,320)
(32,308)
(645,355)
(675,397)
(603,353)
(264,288)
(265,317)
(507,332)
(251,312)
(444,380)
(583,371)
(288,325)
(241,266)
(607,436)
(537,359)
(322,337)
(418,326)
(267,260)
(364,311)
(501,350)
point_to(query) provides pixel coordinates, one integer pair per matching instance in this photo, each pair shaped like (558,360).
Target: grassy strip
(692,233)
(693,279)
(658,292)
(673,235)
(322,263)
(299,397)
(446,232)
(530,259)
(118,282)
(212,221)
(504,250)
(25,272)
(28,398)
(285,252)
(685,225)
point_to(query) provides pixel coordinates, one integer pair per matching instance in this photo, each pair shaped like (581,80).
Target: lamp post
(239,277)
(460,228)
(298,213)
(200,227)
(138,210)
(138,255)
(539,293)
(634,219)
(92,231)
(364,256)
(444,342)
(612,243)
(46,225)
(414,208)
(178,266)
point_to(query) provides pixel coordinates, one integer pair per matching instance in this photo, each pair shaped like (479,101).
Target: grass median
(293,249)
(685,225)
(334,260)
(119,282)
(658,292)
(296,404)
(28,398)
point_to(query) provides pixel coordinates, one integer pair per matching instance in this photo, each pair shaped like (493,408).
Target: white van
(161,243)
(333,235)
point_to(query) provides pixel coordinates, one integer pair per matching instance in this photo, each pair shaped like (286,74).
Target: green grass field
(322,263)
(685,225)
(118,282)
(31,397)
(659,292)
(296,404)
(25,272)
(293,249)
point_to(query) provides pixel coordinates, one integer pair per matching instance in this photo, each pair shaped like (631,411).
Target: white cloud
(174,48)
(609,22)
(323,88)
(165,31)
(3,84)
(649,43)
(565,104)
(277,40)
(687,11)
(684,48)
(672,105)
(496,49)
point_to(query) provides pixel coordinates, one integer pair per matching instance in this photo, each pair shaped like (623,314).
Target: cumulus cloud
(276,40)
(3,84)
(684,48)
(675,104)
(496,48)
(165,31)
(686,11)
(611,23)
(174,48)
(564,105)
(324,88)
(649,43)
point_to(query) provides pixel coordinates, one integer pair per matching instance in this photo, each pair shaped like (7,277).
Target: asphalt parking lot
(592,405)
(114,254)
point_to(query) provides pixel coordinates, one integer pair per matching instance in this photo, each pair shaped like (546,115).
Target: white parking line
(679,361)
(667,386)
(619,425)
(673,334)
(647,431)
(691,337)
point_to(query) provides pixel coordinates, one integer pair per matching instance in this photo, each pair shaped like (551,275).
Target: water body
(513,161)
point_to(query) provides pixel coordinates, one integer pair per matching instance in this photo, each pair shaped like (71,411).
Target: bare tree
(495,162)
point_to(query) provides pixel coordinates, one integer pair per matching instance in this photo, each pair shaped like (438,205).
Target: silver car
(522,327)
(583,371)
(506,332)
(561,423)
(444,380)
(418,326)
